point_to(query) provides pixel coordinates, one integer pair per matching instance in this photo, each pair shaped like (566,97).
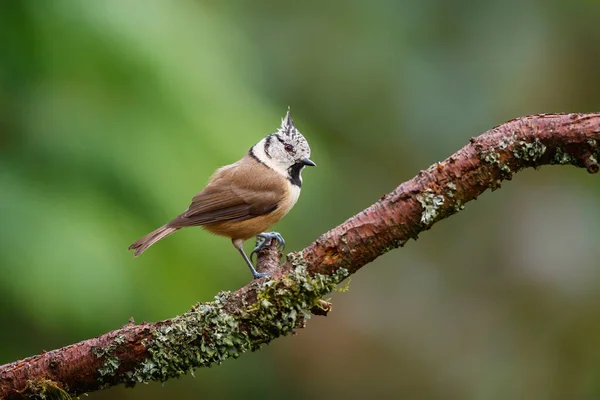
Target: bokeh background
(113,114)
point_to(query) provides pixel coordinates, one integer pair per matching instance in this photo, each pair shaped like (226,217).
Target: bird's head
(285,151)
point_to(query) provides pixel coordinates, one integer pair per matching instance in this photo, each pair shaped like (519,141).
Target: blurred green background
(113,114)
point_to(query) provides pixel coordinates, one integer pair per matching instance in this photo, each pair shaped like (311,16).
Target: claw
(266,239)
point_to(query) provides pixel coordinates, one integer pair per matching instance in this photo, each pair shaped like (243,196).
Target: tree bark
(265,309)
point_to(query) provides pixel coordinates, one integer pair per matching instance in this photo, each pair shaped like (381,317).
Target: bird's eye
(288,147)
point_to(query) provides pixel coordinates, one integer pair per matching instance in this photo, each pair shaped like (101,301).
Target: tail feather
(140,245)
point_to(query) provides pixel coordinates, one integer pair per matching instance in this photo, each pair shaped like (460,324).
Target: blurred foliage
(114,114)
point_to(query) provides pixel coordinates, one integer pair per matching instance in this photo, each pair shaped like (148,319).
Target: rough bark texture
(267,308)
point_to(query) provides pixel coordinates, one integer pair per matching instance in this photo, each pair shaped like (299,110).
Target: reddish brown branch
(265,309)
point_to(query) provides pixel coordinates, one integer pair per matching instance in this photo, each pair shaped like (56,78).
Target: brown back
(237,192)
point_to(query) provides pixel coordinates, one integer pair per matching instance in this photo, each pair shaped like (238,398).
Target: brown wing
(230,199)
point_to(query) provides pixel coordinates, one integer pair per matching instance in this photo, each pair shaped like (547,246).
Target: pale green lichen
(209,333)
(529,151)
(451,189)
(458,206)
(505,169)
(491,157)
(297,259)
(562,158)
(120,339)
(504,143)
(431,204)
(111,362)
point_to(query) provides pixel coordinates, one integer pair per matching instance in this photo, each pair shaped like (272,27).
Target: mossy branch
(245,320)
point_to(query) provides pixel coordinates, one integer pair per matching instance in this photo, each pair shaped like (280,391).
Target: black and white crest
(285,151)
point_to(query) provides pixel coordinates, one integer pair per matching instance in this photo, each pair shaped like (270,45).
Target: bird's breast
(251,227)
(294,194)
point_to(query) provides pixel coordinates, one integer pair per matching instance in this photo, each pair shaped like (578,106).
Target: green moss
(44,389)
(431,204)
(208,334)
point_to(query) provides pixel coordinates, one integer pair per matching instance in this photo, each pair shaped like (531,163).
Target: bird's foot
(265,240)
(258,275)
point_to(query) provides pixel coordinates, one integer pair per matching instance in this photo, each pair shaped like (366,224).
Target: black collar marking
(251,154)
(267,145)
(294,172)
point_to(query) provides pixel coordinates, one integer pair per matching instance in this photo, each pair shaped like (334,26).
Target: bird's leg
(266,238)
(238,244)
(253,270)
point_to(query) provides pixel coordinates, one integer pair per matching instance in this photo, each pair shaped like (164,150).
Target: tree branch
(265,309)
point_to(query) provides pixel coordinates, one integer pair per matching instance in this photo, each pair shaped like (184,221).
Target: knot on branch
(590,157)
(268,258)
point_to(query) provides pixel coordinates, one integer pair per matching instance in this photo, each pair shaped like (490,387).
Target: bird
(242,200)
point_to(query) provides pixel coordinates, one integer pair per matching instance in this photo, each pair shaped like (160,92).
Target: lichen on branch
(245,320)
(209,334)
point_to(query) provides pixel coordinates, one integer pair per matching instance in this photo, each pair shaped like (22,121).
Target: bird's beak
(309,162)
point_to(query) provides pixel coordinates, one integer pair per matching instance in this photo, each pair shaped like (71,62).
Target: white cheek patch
(259,152)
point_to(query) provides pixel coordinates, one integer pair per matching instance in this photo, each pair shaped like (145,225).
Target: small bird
(243,199)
